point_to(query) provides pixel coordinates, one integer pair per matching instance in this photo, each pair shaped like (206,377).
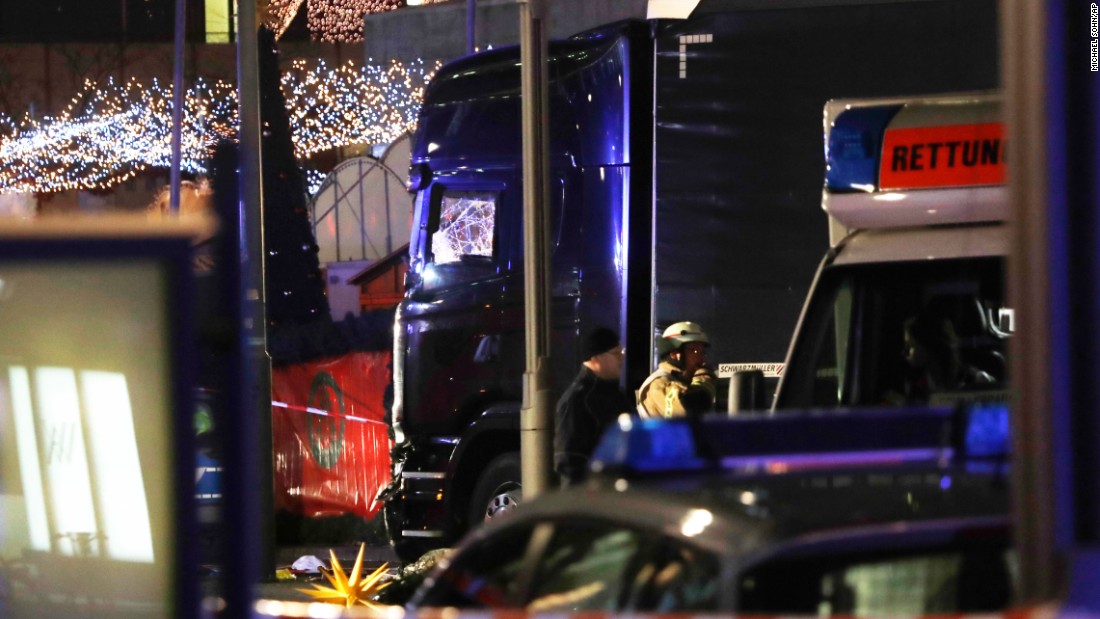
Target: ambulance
(908,306)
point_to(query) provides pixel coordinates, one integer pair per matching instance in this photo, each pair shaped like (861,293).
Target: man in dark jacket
(589,405)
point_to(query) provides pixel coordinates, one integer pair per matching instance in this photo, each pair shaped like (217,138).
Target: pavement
(289,590)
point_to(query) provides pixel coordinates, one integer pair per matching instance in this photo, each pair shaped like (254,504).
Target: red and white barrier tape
(295,610)
(322,413)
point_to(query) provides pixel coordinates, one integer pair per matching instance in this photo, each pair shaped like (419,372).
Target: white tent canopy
(362,211)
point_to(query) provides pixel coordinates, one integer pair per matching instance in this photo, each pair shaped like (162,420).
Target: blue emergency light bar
(853,147)
(791,441)
(648,445)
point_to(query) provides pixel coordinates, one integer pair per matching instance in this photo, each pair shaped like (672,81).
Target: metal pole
(1023,52)
(177,103)
(536,423)
(471,19)
(336,220)
(389,222)
(249,523)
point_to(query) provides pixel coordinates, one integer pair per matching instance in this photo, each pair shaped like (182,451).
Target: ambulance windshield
(903,333)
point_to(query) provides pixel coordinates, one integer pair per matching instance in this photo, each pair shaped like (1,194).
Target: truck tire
(498,490)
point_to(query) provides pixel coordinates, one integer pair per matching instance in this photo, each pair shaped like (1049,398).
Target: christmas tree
(295,289)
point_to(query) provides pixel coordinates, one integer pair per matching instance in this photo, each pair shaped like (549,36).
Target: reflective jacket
(668,393)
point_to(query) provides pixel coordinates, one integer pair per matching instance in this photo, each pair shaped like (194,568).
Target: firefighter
(683,384)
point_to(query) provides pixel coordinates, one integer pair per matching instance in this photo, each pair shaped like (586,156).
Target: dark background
(739,144)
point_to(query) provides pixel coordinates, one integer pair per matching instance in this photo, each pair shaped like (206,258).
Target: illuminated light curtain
(109,134)
(342,20)
(280,13)
(352,104)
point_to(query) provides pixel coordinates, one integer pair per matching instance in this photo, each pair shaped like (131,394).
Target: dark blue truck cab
(459,352)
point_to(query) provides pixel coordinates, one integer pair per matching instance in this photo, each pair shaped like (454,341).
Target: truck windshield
(902,333)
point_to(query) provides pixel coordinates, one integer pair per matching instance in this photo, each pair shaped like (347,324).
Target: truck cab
(909,304)
(459,332)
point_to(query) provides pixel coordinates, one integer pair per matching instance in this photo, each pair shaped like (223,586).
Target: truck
(915,191)
(682,159)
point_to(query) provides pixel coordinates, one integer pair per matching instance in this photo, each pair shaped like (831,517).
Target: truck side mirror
(746,391)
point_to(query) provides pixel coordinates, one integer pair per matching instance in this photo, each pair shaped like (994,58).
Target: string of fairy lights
(342,20)
(328,20)
(108,134)
(328,105)
(279,14)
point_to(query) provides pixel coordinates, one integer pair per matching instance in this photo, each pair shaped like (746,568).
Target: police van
(909,517)
(909,305)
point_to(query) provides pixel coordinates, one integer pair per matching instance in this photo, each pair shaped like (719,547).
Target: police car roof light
(987,432)
(647,445)
(789,441)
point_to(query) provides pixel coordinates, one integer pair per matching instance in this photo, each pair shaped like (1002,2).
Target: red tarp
(331,464)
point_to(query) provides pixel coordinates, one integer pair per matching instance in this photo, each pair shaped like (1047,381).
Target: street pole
(247,517)
(177,102)
(471,20)
(1034,478)
(535,416)
(1050,56)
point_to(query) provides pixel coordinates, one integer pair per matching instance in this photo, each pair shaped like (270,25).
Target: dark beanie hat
(599,340)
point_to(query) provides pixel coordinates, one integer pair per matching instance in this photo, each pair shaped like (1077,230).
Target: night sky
(89,20)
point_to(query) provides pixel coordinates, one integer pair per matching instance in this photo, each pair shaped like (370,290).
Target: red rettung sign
(947,156)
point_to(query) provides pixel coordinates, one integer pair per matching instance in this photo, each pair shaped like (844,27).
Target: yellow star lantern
(350,590)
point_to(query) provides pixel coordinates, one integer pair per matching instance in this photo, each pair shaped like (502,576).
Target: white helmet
(678,334)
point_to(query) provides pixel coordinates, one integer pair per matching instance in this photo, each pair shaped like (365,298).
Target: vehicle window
(677,578)
(486,575)
(904,333)
(818,374)
(974,581)
(467,221)
(586,567)
(831,361)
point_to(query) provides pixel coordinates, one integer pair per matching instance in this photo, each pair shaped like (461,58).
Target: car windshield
(974,580)
(911,333)
(578,564)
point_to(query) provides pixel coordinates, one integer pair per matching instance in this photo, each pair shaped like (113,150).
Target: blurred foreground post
(248,496)
(1052,92)
(536,422)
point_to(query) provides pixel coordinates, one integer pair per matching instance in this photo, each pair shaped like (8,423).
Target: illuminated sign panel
(945,156)
(92,482)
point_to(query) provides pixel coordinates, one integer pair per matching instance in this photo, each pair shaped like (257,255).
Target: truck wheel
(498,490)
